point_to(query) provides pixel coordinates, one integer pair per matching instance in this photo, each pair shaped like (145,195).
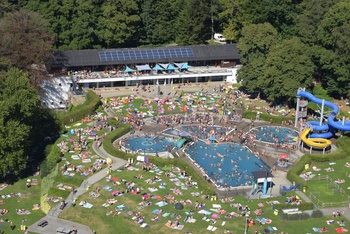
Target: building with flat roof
(156,65)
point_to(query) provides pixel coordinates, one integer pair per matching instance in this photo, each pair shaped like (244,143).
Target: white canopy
(145,67)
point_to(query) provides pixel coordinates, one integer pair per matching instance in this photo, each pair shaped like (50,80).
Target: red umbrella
(283,156)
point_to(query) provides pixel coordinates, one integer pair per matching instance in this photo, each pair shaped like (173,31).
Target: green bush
(317,214)
(304,215)
(303,206)
(297,169)
(52,153)
(91,103)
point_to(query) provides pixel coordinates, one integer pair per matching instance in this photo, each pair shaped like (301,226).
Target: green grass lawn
(141,104)
(326,190)
(76,180)
(29,197)
(97,219)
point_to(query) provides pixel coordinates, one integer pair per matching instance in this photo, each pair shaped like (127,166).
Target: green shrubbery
(91,103)
(52,158)
(301,216)
(317,214)
(302,206)
(298,168)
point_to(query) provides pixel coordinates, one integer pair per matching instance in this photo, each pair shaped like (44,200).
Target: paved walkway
(52,217)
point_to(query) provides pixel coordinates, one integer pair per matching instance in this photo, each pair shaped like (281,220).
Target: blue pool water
(271,133)
(228,164)
(148,144)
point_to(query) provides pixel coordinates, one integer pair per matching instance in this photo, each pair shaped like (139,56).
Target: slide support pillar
(297,112)
(324,150)
(310,149)
(322,108)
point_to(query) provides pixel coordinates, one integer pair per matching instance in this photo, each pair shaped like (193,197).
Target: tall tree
(25,42)
(254,47)
(312,13)
(159,21)
(334,35)
(18,102)
(74,22)
(5,6)
(282,15)
(193,22)
(120,23)
(288,66)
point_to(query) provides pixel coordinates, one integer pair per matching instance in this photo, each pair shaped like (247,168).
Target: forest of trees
(283,45)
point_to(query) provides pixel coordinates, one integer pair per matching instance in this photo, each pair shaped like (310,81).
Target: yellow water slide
(319,143)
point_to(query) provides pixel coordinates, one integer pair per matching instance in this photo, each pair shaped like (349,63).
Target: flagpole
(165,93)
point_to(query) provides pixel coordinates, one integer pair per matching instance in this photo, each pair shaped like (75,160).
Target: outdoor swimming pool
(227,164)
(149,144)
(271,134)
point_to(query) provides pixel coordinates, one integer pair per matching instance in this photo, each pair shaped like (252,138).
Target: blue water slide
(335,109)
(316,127)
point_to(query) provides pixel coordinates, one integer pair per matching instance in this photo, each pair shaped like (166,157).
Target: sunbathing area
(147,197)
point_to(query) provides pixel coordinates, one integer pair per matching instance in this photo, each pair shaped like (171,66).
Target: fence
(332,184)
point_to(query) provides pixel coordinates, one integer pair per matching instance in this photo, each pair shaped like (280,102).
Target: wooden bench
(43,223)
(34,182)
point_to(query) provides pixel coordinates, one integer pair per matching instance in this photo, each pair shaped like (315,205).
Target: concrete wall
(77,99)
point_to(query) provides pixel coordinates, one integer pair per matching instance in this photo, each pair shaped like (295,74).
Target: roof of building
(262,174)
(95,57)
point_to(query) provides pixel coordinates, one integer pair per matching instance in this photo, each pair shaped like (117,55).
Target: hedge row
(53,156)
(161,162)
(342,152)
(302,206)
(91,103)
(247,114)
(302,216)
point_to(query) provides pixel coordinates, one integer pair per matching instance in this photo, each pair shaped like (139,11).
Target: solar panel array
(145,54)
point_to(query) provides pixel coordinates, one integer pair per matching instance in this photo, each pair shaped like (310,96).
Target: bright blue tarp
(128,69)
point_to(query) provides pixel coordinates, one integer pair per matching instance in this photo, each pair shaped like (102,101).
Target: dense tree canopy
(288,66)
(322,26)
(254,47)
(25,42)
(18,102)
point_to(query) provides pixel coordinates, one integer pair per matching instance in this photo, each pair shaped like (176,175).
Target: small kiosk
(262,182)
